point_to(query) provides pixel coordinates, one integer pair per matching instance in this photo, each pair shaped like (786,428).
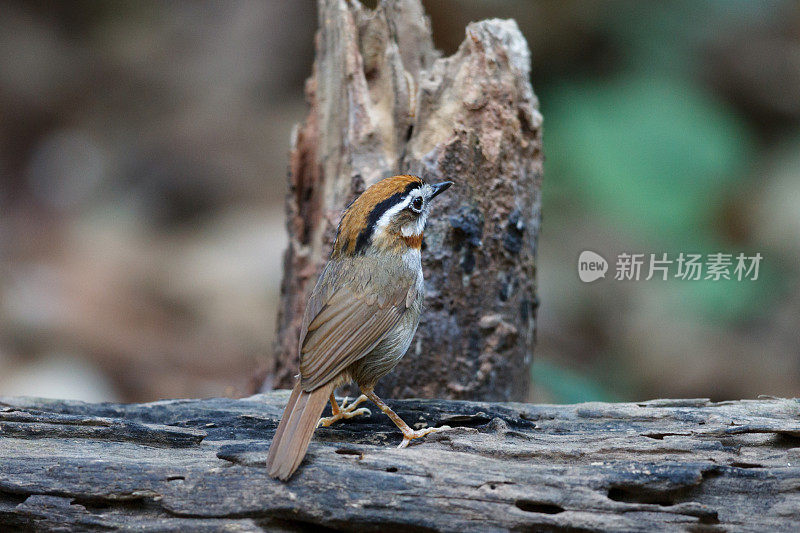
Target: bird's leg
(408,433)
(345,411)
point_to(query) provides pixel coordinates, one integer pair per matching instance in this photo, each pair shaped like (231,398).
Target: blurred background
(143,156)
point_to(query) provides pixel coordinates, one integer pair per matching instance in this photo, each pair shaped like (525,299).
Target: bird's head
(389,215)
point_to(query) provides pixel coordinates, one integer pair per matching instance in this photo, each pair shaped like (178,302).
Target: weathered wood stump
(198,465)
(381,103)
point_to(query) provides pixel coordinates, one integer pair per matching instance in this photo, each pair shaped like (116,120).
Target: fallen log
(198,465)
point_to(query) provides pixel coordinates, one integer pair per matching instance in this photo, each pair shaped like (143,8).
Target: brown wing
(346,327)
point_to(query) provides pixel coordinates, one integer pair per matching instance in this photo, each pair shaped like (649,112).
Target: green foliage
(654,159)
(564,385)
(653,155)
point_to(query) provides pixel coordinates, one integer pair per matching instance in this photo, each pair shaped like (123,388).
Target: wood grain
(198,465)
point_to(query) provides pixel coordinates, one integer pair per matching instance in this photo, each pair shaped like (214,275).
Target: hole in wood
(741,464)
(786,440)
(371,74)
(13,498)
(176,478)
(101,504)
(710,518)
(530,506)
(90,505)
(392,469)
(348,451)
(660,435)
(471,420)
(630,495)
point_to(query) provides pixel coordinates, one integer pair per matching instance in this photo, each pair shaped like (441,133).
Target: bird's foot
(345,411)
(412,434)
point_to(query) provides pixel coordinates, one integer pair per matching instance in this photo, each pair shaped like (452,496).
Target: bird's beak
(440,187)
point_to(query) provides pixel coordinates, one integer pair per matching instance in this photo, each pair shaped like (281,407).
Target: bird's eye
(416,204)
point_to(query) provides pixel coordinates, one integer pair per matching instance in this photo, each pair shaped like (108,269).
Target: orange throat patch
(414,241)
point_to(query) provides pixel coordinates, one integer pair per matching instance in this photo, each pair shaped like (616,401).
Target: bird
(361,316)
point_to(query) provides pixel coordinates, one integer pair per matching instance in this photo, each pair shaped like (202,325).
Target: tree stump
(381,103)
(199,465)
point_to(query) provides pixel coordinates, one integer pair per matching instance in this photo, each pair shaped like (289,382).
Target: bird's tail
(294,432)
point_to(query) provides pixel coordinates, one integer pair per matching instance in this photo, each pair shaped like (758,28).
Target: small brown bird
(361,316)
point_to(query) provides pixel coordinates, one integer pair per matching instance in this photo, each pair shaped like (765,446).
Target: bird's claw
(345,412)
(415,434)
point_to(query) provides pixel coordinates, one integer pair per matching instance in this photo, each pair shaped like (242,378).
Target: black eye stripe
(365,236)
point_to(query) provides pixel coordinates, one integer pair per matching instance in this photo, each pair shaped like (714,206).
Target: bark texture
(198,465)
(381,103)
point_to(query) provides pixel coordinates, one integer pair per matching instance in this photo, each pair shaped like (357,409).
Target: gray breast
(385,356)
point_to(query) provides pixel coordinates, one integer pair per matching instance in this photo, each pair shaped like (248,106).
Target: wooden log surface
(198,465)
